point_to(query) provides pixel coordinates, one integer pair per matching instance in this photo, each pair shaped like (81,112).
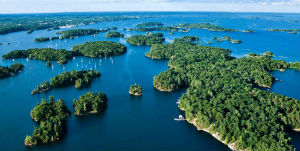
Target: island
(42,39)
(80,79)
(9,71)
(72,33)
(186,39)
(90,103)
(51,117)
(148,39)
(100,49)
(290,31)
(231,40)
(248,31)
(150,24)
(114,34)
(208,26)
(224,95)
(217,39)
(54,37)
(136,90)
(29,31)
(161,28)
(45,54)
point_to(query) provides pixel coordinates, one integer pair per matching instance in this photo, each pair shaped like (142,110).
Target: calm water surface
(135,123)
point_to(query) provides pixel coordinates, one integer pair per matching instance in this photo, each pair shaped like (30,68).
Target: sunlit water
(135,123)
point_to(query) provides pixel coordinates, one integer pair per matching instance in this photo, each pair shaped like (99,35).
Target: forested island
(148,39)
(23,22)
(136,90)
(161,28)
(90,103)
(100,49)
(114,34)
(290,31)
(186,39)
(223,96)
(231,40)
(207,26)
(88,49)
(9,71)
(150,24)
(72,33)
(51,117)
(248,31)
(45,54)
(42,39)
(80,79)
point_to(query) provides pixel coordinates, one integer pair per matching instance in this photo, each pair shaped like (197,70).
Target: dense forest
(208,26)
(89,103)
(135,89)
(14,23)
(150,24)
(100,49)
(60,55)
(148,39)
(51,117)
(114,34)
(42,39)
(80,79)
(72,33)
(224,95)
(8,71)
(186,39)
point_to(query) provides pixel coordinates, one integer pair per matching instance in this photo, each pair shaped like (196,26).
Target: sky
(49,6)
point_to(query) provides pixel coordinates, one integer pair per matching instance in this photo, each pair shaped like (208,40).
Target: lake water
(135,123)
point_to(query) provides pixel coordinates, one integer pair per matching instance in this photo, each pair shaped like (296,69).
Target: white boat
(180,118)
(177,101)
(27,59)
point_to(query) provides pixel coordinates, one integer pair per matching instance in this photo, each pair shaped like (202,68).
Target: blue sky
(40,6)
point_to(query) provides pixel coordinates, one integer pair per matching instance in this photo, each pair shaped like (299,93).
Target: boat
(180,118)
(74,57)
(27,59)
(177,101)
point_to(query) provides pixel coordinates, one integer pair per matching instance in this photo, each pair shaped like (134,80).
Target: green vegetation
(207,26)
(14,23)
(231,40)
(148,39)
(72,33)
(8,71)
(42,39)
(186,39)
(55,37)
(80,79)
(51,117)
(114,34)
(291,31)
(223,95)
(48,64)
(163,28)
(45,54)
(100,48)
(151,24)
(135,90)
(90,103)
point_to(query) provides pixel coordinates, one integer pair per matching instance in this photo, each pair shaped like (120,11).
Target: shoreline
(232,146)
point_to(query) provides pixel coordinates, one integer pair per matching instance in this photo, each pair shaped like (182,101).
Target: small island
(148,39)
(51,117)
(231,40)
(10,71)
(80,79)
(150,24)
(290,31)
(248,31)
(90,103)
(100,49)
(207,26)
(186,39)
(29,31)
(114,34)
(72,33)
(42,39)
(136,90)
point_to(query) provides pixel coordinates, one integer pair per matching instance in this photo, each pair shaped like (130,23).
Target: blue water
(135,123)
